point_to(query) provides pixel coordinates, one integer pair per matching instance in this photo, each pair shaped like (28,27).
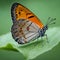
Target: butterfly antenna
(50,21)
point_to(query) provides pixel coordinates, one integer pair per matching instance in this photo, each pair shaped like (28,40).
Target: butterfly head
(49,22)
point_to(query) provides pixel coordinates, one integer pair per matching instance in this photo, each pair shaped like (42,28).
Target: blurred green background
(41,8)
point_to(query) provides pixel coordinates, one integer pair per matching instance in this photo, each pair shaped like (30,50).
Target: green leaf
(34,48)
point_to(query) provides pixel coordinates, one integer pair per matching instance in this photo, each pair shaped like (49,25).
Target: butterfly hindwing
(24,30)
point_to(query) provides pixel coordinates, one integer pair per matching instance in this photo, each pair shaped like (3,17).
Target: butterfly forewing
(18,12)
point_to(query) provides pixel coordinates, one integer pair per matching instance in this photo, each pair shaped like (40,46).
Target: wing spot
(19,12)
(30,16)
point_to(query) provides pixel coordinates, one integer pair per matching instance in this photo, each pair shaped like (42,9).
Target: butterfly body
(26,26)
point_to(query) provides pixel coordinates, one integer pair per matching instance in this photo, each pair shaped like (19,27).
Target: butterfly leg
(46,38)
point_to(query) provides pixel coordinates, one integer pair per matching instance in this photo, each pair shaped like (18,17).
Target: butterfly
(26,26)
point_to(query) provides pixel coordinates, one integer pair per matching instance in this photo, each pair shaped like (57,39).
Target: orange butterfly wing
(18,12)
